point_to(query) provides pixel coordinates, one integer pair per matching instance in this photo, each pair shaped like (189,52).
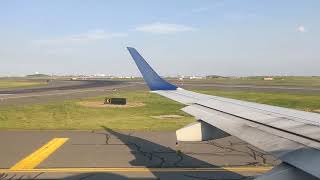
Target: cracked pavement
(107,148)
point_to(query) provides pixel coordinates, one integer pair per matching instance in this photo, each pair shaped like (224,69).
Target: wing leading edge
(290,135)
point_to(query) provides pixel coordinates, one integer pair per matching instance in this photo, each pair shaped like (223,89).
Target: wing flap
(244,130)
(299,152)
(274,119)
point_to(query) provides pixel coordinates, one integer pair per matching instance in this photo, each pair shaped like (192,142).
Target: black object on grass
(116,101)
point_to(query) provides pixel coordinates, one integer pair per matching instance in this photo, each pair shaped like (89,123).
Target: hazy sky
(195,37)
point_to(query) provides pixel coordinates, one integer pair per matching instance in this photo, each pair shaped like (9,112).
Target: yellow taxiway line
(260,169)
(39,155)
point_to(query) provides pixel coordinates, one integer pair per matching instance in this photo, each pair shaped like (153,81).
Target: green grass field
(71,115)
(9,84)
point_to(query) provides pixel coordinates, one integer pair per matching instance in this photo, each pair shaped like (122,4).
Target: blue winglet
(153,80)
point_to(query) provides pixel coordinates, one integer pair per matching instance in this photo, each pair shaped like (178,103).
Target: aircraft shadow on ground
(152,155)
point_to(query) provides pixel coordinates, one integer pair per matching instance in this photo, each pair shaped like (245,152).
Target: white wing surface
(292,136)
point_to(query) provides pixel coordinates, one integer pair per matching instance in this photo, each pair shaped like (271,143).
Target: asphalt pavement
(126,155)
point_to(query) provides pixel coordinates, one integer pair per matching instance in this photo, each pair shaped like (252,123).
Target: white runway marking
(5,95)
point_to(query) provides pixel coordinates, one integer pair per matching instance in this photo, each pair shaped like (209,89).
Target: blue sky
(235,38)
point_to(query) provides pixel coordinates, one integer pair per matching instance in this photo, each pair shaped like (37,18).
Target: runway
(57,85)
(126,155)
(289,89)
(62,90)
(66,90)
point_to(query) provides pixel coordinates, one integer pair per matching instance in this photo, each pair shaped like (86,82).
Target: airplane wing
(290,135)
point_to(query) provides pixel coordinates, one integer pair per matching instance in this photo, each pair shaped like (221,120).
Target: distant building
(195,77)
(37,75)
(180,77)
(126,77)
(99,75)
(268,78)
(213,76)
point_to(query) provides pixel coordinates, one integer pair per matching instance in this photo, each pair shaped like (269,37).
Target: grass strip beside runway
(86,115)
(6,84)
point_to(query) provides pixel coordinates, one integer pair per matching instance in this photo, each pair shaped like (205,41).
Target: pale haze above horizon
(209,37)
